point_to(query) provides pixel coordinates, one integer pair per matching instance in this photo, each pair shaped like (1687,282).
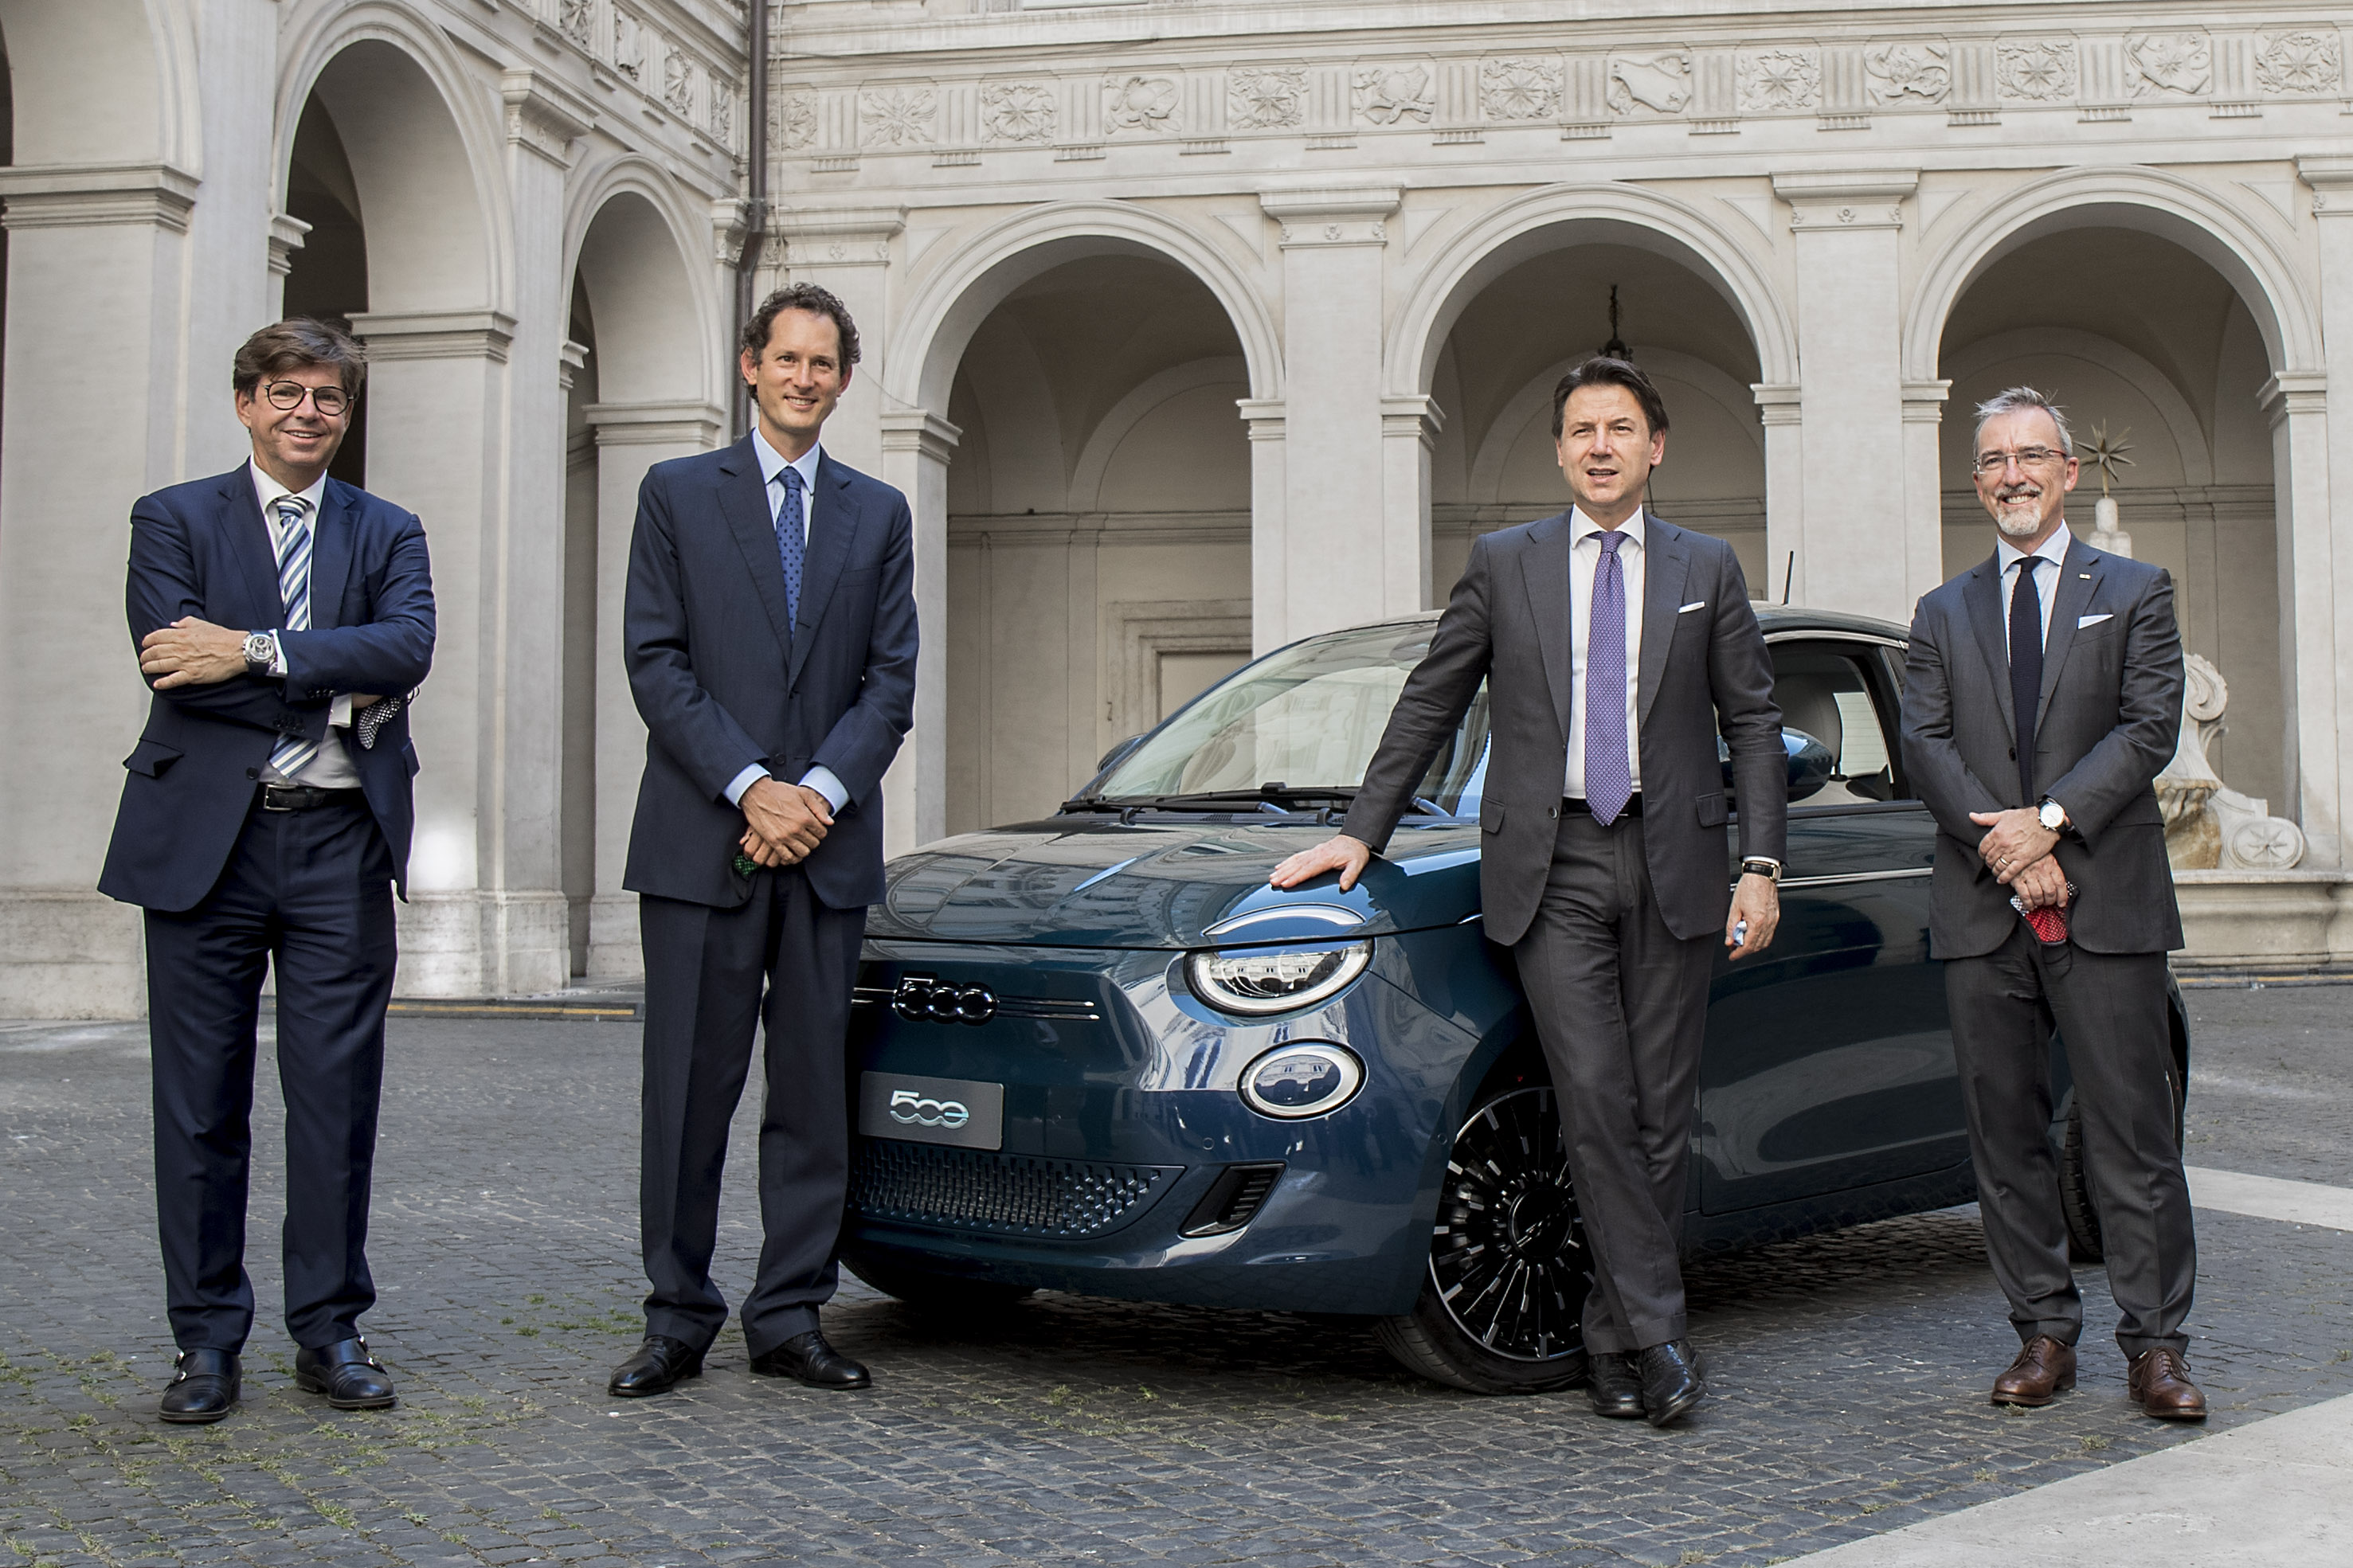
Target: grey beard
(2025,528)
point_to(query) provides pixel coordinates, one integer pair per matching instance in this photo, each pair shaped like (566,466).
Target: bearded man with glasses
(2041,697)
(280,618)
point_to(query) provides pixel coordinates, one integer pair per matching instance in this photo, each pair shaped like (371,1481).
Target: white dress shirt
(330,767)
(2046,579)
(1584,560)
(773,463)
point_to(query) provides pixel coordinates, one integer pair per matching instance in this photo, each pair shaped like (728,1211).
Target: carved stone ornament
(897,117)
(1662,82)
(722,112)
(795,120)
(2043,70)
(578,20)
(1019,112)
(1391,95)
(1265,97)
(1521,87)
(678,82)
(1898,73)
(2299,63)
(1774,81)
(628,46)
(1145,104)
(2209,825)
(2168,62)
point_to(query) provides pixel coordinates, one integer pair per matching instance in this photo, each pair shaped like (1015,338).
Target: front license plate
(958,1110)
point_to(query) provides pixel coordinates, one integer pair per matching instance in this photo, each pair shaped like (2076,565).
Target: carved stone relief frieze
(678,82)
(1140,105)
(577,18)
(1897,74)
(722,115)
(2299,62)
(795,121)
(1394,95)
(2168,62)
(1022,112)
(1265,97)
(2041,70)
(1521,87)
(1660,82)
(897,116)
(1774,81)
(628,46)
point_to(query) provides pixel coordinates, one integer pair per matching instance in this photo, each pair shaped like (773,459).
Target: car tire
(2083,1240)
(1503,1296)
(929,1292)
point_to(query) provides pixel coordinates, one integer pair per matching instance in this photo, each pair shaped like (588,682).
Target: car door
(1829,1061)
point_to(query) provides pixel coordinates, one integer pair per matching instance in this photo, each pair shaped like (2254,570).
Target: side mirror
(1118,754)
(1810,763)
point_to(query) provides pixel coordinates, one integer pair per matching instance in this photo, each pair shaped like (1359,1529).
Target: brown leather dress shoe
(2160,1386)
(2045,1368)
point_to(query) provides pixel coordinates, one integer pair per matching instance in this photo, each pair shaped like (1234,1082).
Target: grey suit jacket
(2110,714)
(1508,622)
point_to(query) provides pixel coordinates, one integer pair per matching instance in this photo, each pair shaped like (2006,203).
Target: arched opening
(1098,523)
(2135,336)
(327,277)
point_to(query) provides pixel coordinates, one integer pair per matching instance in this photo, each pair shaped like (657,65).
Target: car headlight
(1306,1078)
(1254,982)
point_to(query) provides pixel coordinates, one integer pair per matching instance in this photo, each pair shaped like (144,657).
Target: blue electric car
(1099,1054)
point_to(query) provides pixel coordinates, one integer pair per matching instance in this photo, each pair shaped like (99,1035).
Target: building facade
(1191,327)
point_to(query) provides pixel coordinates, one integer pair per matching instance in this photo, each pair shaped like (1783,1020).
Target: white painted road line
(2268,1197)
(2277,1493)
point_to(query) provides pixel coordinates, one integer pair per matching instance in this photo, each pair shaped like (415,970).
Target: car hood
(1079,881)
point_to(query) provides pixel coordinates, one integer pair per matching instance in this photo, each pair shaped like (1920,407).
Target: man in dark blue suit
(770,635)
(279,616)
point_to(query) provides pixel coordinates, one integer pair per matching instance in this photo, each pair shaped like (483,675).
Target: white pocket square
(2082,621)
(1694,605)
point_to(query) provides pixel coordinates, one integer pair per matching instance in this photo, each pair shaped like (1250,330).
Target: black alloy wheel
(1502,1302)
(929,1292)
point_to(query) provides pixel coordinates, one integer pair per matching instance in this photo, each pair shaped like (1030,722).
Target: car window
(1824,691)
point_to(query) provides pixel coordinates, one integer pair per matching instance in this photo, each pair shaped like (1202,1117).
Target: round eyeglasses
(287,395)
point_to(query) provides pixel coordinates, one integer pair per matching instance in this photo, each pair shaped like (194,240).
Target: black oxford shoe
(205,1388)
(345,1371)
(1614,1386)
(808,1358)
(661,1364)
(1671,1383)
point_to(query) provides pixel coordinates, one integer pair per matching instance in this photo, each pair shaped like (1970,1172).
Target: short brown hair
(807,297)
(298,342)
(1603,370)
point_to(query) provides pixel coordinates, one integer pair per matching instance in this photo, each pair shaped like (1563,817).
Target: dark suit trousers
(706,969)
(1621,1005)
(2110,1009)
(312,891)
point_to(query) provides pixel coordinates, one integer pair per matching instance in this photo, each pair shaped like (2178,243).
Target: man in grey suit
(1611,642)
(2042,696)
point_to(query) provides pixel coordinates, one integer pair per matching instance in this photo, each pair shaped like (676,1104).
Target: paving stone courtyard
(1849,1369)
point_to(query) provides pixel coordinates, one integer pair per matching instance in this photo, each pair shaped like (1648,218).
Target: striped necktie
(293,754)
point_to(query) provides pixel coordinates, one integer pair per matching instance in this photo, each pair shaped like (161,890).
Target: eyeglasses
(1990,463)
(329,401)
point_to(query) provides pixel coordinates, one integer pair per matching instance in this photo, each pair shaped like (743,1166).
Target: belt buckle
(269,790)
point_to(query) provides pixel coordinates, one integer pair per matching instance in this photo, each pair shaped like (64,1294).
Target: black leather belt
(1571,806)
(307,797)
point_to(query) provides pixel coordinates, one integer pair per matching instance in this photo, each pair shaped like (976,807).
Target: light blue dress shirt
(772,463)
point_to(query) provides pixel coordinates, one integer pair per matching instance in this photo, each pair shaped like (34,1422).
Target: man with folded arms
(2042,696)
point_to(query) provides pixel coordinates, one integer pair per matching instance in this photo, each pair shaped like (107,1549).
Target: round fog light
(1310,1079)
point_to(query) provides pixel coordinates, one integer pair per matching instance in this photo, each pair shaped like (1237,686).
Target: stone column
(1780,410)
(1349,552)
(2312,476)
(1858,547)
(916,448)
(1409,427)
(1269,573)
(1923,492)
(848,250)
(631,438)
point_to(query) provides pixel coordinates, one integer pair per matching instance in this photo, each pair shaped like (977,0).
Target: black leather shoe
(1671,1381)
(1614,1386)
(345,1371)
(205,1388)
(808,1358)
(661,1364)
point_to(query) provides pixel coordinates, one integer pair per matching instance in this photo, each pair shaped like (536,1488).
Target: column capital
(1847,198)
(1777,402)
(286,234)
(84,196)
(2292,393)
(921,432)
(1924,401)
(1332,215)
(570,360)
(544,115)
(1415,416)
(2331,179)
(685,421)
(435,334)
(1264,415)
(838,236)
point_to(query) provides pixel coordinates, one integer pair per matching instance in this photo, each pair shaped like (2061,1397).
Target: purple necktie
(1609,772)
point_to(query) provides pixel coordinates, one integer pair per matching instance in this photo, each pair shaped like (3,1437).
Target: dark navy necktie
(1609,765)
(792,544)
(2026,668)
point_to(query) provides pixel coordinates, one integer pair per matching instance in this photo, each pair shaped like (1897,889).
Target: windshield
(1304,722)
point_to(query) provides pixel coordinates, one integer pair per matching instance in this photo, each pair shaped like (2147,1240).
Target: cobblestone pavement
(1850,1369)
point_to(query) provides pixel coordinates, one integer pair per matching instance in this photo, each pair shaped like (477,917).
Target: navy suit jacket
(201,549)
(722,681)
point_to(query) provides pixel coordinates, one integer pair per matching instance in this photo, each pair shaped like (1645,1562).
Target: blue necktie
(1609,765)
(2026,669)
(293,754)
(792,544)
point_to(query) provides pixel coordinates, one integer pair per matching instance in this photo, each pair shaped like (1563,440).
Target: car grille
(1011,1194)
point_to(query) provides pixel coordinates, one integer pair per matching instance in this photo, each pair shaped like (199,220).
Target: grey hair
(2015,400)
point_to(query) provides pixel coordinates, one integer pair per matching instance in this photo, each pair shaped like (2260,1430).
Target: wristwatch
(260,652)
(1763,866)
(2052,815)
